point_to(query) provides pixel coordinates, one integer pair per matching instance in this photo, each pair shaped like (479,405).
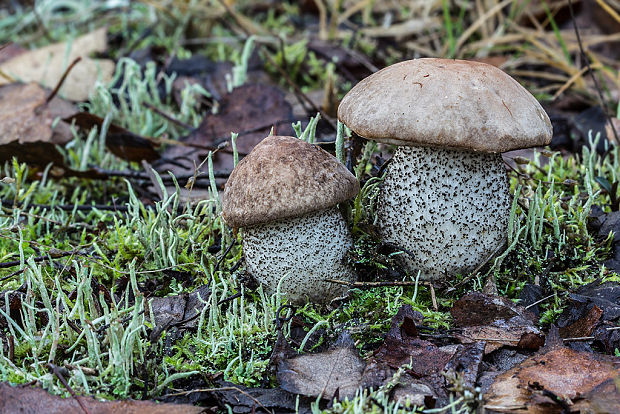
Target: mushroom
(284,194)
(445,196)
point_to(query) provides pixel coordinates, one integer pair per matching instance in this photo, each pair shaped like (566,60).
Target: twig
(433,297)
(539,301)
(476,270)
(218,141)
(229,298)
(70,207)
(588,338)
(219,262)
(58,374)
(42,258)
(62,80)
(17,272)
(372,285)
(167,116)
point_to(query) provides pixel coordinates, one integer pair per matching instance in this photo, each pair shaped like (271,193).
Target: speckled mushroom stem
(449,207)
(304,250)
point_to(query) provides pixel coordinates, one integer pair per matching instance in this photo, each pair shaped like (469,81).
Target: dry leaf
(120,141)
(336,372)
(46,65)
(28,129)
(496,321)
(30,400)
(560,371)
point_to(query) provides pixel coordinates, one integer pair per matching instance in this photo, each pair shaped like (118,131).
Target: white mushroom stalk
(449,208)
(284,195)
(445,197)
(300,254)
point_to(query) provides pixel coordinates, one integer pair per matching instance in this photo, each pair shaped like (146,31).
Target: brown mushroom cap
(446,103)
(284,177)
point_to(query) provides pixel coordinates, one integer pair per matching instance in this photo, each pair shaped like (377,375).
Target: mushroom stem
(450,207)
(305,250)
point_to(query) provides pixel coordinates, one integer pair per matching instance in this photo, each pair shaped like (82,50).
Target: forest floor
(123,289)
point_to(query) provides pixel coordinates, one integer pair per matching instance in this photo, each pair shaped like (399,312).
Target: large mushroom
(284,194)
(445,196)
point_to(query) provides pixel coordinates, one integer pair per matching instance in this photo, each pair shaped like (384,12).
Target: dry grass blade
(477,24)
(573,79)
(609,10)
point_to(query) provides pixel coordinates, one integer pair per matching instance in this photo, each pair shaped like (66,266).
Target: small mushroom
(445,196)
(284,194)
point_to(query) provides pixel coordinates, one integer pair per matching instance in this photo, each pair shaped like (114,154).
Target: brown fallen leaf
(583,326)
(558,372)
(174,309)
(46,65)
(424,362)
(334,373)
(250,110)
(496,321)
(602,399)
(120,141)
(402,346)
(34,400)
(29,128)
(593,311)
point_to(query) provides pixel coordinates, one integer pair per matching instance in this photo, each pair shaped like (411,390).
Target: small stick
(539,301)
(371,285)
(37,259)
(17,272)
(11,341)
(62,80)
(167,116)
(229,298)
(433,297)
(57,372)
(219,262)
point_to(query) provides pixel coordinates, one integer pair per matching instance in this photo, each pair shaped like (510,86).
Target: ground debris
(179,309)
(605,224)
(496,321)
(250,110)
(423,363)
(243,400)
(591,313)
(120,141)
(550,381)
(48,64)
(26,400)
(336,372)
(27,127)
